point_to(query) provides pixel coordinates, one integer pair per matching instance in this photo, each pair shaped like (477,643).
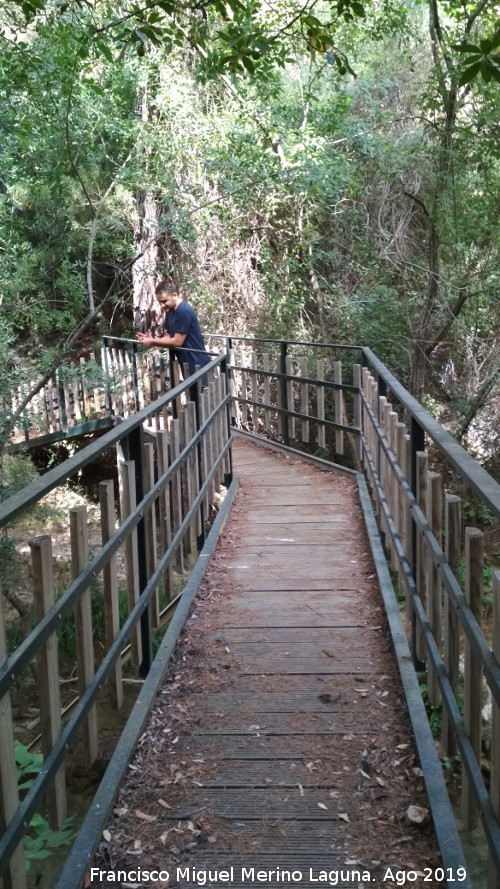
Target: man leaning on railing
(182,329)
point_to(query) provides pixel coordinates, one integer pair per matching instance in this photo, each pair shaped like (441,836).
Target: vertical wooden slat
(339,407)
(15,875)
(493,874)
(188,479)
(233,388)
(193,467)
(148,481)
(50,405)
(210,395)
(290,404)
(165,518)
(128,504)
(267,391)
(48,674)
(175,450)
(402,502)
(422,557)
(110,585)
(452,551)
(220,389)
(434,591)
(255,392)
(356,378)
(304,400)
(183,474)
(243,387)
(394,501)
(75,391)
(205,450)
(79,538)
(320,397)
(85,392)
(474,560)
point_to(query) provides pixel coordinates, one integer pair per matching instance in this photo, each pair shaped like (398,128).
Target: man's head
(167,295)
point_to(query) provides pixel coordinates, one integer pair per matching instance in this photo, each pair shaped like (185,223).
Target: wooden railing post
(128,504)
(304,400)
(48,674)
(282,389)
(356,378)
(434,591)
(110,584)
(83,625)
(339,407)
(15,875)
(421,547)
(474,560)
(267,391)
(162,455)
(452,552)
(493,873)
(150,529)
(320,397)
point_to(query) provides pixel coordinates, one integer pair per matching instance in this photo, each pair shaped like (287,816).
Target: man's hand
(145,340)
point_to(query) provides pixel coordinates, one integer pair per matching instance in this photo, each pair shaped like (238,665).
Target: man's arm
(166,341)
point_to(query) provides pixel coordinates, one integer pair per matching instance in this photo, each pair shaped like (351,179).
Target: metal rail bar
(283,410)
(487,814)
(18,503)
(24,654)
(18,825)
(477,477)
(468,621)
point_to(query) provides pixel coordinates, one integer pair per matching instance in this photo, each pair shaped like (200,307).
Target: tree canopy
(322,170)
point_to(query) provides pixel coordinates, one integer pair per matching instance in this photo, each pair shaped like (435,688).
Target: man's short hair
(165,287)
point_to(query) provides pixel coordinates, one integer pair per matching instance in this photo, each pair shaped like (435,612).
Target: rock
(417,815)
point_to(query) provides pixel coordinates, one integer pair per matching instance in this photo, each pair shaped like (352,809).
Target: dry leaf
(301,789)
(212,839)
(106,835)
(344,816)
(322,806)
(163,804)
(380,781)
(143,816)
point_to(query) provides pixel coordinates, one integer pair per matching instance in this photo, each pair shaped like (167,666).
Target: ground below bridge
(280,740)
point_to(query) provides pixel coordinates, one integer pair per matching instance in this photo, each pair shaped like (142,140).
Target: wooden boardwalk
(280,741)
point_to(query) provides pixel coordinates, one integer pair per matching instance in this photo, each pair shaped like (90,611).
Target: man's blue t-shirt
(184,319)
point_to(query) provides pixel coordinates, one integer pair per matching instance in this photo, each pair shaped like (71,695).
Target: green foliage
(434,713)
(41,841)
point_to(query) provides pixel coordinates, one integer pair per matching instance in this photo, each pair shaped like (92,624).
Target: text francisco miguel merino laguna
(206,877)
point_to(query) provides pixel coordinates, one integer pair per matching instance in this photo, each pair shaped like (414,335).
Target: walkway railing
(173,457)
(340,404)
(416,472)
